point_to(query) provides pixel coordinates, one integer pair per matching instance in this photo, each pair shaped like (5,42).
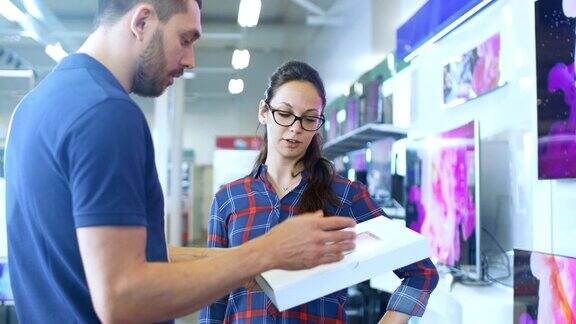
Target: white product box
(381,246)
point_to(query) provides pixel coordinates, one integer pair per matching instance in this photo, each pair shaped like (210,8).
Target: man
(85,209)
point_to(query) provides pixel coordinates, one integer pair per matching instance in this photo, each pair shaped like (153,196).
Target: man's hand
(307,241)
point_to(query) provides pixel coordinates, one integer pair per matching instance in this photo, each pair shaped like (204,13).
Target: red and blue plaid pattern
(249,207)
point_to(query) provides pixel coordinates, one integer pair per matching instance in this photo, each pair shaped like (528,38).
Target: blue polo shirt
(79,154)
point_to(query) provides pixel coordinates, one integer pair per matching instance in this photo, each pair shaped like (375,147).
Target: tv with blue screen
(5,290)
(442,196)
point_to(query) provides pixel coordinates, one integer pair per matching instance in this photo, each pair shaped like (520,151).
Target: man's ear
(262,112)
(142,18)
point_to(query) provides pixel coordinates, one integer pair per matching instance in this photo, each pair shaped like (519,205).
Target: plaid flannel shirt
(249,207)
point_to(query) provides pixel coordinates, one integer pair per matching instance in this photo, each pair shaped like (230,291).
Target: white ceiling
(283,32)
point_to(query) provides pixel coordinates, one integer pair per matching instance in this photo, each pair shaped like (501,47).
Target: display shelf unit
(358,138)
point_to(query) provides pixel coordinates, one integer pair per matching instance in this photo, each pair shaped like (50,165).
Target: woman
(291,177)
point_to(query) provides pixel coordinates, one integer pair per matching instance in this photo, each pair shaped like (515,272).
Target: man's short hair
(110,11)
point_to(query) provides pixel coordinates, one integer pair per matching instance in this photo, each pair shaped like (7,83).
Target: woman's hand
(392,317)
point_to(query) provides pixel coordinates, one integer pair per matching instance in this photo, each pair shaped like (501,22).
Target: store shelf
(358,138)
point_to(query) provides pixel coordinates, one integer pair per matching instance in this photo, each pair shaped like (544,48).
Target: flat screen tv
(442,196)
(555,42)
(5,290)
(379,177)
(374,99)
(332,132)
(358,166)
(544,288)
(473,73)
(352,114)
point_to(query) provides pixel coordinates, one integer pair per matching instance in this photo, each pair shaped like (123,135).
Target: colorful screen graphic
(473,74)
(544,288)
(555,41)
(442,191)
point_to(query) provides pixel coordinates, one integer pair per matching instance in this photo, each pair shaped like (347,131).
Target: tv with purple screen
(473,73)
(555,42)
(544,288)
(352,114)
(5,290)
(357,162)
(442,199)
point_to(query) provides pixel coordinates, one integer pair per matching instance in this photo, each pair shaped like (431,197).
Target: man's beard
(150,73)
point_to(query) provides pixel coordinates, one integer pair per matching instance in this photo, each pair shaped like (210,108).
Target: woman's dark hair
(320,171)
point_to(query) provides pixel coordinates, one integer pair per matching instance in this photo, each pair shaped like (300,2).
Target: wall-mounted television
(473,73)
(443,196)
(555,42)
(544,288)
(5,290)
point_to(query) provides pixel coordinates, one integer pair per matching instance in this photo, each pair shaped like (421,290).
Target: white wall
(204,124)
(342,53)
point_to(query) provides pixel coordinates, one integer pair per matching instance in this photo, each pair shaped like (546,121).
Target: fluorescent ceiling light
(391,60)
(16,73)
(33,8)
(55,51)
(358,89)
(249,13)
(236,86)
(447,30)
(341,116)
(11,12)
(240,59)
(189,75)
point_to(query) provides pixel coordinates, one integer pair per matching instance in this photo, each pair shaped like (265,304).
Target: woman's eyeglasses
(287,119)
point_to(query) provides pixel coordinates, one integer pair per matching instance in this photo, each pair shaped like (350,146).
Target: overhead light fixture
(55,51)
(16,73)
(240,59)
(358,89)
(346,91)
(189,75)
(236,86)
(447,30)
(11,12)
(341,116)
(249,13)
(391,60)
(33,9)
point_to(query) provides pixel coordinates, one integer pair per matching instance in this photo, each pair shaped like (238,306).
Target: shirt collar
(81,60)
(260,172)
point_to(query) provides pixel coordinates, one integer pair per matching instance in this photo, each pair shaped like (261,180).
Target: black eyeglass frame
(296,118)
